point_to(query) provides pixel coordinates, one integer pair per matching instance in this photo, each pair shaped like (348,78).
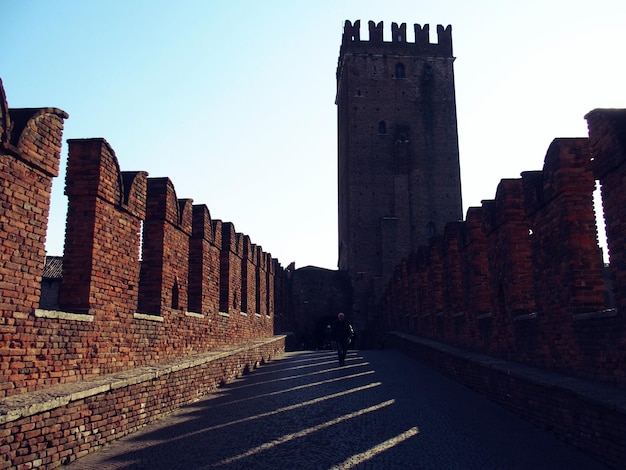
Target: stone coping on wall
(601,394)
(27,404)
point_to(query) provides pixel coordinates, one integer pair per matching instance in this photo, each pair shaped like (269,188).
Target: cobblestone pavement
(382,410)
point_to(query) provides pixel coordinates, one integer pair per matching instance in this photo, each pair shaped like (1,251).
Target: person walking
(343,334)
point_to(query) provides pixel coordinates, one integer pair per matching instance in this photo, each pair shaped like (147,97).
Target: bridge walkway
(382,410)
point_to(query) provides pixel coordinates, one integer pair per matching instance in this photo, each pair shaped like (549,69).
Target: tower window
(382,127)
(430,230)
(400,72)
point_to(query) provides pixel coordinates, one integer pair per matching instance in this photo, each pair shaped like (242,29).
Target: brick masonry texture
(586,415)
(150,280)
(522,277)
(53,427)
(398,165)
(143,278)
(104,278)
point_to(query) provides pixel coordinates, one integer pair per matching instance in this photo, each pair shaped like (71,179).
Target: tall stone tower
(399,175)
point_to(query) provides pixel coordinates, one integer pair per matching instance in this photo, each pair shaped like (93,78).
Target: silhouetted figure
(343,334)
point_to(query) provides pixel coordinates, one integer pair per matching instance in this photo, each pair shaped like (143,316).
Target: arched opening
(400,72)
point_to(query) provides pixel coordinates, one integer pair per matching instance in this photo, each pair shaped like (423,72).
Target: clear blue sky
(234,100)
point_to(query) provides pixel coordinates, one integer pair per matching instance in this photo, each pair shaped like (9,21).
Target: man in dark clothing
(342,333)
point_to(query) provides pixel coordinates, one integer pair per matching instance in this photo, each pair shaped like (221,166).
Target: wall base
(56,426)
(588,415)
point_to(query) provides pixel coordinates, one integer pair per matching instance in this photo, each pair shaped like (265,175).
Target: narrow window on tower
(400,70)
(382,127)
(175,295)
(430,230)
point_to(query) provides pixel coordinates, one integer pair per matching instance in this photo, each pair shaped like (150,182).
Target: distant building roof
(53,268)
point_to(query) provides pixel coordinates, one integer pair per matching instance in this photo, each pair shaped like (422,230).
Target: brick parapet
(99,325)
(105,210)
(413,292)
(532,282)
(35,137)
(567,260)
(607,140)
(69,421)
(30,144)
(231,256)
(352,42)
(248,277)
(402,294)
(434,289)
(164,269)
(454,314)
(423,308)
(475,268)
(204,264)
(261,281)
(588,415)
(510,264)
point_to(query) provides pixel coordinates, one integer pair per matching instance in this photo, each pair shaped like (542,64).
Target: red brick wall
(165,265)
(117,312)
(230,262)
(105,209)
(521,278)
(30,145)
(510,264)
(248,277)
(454,322)
(475,276)
(204,263)
(607,139)
(567,262)
(30,148)
(77,421)
(583,414)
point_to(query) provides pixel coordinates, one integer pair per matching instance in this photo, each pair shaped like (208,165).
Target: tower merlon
(443,46)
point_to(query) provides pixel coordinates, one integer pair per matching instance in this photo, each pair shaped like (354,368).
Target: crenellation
(107,276)
(35,135)
(399,43)
(444,38)
(422,33)
(204,263)
(134,189)
(351,33)
(202,225)
(398,33)
(525,281)
(375,31)
(607,142)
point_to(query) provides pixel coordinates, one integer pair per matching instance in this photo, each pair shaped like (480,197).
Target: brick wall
(30,144)
(142,269)
(589,416)
(522,277)
(149,280)
(56,427)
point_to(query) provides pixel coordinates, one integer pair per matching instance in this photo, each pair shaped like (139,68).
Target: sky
(233,100)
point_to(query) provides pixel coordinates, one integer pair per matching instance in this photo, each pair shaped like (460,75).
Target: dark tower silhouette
(399,175)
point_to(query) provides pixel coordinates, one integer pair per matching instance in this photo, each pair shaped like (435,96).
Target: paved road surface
(382,410)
